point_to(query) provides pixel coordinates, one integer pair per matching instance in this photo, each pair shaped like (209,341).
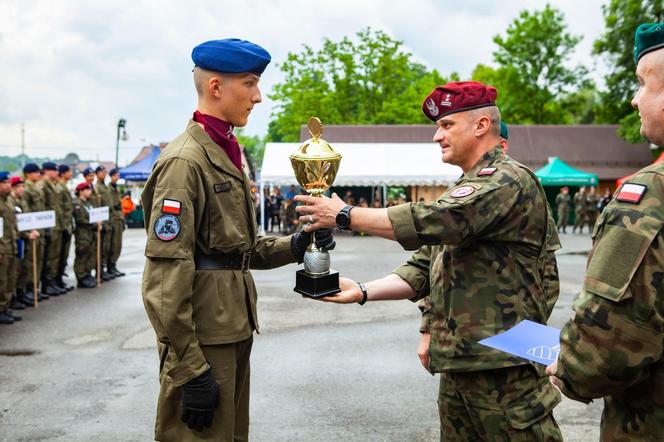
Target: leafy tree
(254,146)
(616,46)
(532,76)
(366,80)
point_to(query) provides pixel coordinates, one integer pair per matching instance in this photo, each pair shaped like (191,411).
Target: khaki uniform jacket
(188,307)
(614,345)
(33,197)
(67,207)
(10,232)
(102,196)
(115,207)
(485,258)
(51,200)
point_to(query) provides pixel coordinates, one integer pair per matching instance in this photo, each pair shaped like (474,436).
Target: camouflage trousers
(52,253)
(86,251)
(504,405)
(25,272)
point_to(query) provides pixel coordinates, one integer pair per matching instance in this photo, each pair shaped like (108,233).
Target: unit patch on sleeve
(171,206)
(631,193)
(167,227)
(487,171)
(462,191)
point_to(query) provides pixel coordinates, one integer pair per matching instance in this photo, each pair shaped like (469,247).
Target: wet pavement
(84,366)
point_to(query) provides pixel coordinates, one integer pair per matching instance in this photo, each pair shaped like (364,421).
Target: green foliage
(532,78)
(367,80)
(616,46)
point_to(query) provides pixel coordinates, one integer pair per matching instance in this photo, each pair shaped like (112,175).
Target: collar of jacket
(487,159)
(216,155)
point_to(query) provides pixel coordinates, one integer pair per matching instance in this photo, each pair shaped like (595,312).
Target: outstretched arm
(388,288)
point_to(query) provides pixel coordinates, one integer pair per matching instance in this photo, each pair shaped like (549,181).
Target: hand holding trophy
(315,165)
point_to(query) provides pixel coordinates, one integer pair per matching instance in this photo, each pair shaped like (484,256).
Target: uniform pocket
(227,214)
(534,406)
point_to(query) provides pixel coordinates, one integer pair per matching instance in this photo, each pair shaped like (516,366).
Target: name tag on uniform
(631,193)
(222,187)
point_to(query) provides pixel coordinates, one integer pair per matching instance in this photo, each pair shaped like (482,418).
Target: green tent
(559,173)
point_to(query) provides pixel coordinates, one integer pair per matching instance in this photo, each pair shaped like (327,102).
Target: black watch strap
(364,293)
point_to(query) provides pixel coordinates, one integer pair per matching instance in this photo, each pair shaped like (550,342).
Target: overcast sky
(70,69)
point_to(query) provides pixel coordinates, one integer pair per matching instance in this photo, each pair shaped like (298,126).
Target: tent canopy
(369,164)
(559,173)
(660,159)
(140,170)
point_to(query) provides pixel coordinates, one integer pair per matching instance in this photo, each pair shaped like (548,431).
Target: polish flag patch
(487,171)
(631,193)
(171,206)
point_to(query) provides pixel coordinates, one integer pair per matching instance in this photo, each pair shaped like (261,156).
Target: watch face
(342,220)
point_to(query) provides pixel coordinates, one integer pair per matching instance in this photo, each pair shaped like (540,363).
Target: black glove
(300,241)
(200,397)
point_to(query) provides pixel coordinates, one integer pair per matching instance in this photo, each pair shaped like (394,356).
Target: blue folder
(529,340)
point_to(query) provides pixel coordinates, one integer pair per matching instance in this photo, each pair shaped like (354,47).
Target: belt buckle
(246,261)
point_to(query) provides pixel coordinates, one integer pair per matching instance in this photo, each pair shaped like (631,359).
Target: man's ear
(215,86)
(482,125)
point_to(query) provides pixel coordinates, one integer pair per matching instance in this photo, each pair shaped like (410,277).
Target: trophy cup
(315,165)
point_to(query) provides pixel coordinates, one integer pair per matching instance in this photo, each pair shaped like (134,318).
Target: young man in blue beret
(202,241)
(613,347)
(33,200)
(116,224)
(67,203)
(52,236)
(7,252)
(485,261)
(102,198)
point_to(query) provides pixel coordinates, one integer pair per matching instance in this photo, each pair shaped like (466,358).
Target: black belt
(223,262)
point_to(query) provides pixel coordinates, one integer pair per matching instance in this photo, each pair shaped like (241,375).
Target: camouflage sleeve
(416,272)
(425,307)
(615,336)
(453,220)
(168,277)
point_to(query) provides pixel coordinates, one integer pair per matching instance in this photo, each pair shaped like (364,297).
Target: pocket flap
(534,406)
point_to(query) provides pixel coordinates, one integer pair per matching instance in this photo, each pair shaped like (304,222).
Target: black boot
(114,270)
(105,276)
(5,318)
(61,283)
(48,289)
(13,315)
(17,304)
(87,282)
(28,299)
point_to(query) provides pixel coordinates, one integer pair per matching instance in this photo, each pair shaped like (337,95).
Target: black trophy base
(317,286)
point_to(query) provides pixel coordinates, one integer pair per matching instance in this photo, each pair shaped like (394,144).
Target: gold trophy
(315,165)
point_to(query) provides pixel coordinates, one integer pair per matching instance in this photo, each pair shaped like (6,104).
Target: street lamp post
(121,125)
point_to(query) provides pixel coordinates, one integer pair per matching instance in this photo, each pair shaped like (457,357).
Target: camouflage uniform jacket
(67,204)
(10,232)
(483,262)
(33,198)
(102,195)
(52,200)
(19,206)
(115,207)
(613,346)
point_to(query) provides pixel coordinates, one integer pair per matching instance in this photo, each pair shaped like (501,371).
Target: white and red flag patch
(631,193)
(171,206)
(487,171)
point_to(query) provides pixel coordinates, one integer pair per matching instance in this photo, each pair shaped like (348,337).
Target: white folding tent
(366,164)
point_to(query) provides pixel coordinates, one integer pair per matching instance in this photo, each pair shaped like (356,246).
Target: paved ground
(84,367)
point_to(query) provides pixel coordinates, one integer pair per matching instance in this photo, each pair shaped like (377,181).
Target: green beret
(504,132)
(647,38)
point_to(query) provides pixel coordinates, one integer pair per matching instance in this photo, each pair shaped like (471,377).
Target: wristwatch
(343,218)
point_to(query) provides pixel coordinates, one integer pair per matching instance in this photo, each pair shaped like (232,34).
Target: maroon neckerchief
(221,133)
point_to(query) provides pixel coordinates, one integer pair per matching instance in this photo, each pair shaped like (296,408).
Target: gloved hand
(300,241)
(200,397)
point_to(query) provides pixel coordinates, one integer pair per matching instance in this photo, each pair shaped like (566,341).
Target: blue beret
(87,171)
(62,168)
(113,171)
(4,175)
(231,55)
(504,131)
(100,168)
(49,165)
(648,37)
(30,168)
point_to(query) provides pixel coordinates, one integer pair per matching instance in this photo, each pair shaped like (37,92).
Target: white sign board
(98,214)
(2,230)
(35,220)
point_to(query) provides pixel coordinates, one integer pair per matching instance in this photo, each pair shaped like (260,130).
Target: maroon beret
(458,96)
(82,186)
(16,180)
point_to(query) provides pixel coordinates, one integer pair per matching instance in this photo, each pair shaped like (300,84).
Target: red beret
(16,180)
(456,97)
(82,186)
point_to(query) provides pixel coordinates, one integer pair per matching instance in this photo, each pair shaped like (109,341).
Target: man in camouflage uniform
(579,210)
(7,252)
(116,224)
(614,345)
(85,237)
(53,237)
(592,208)
(202,240)
(17,202)
(67,223)
(562,203)
(102,198)
(486,260)
(33,200)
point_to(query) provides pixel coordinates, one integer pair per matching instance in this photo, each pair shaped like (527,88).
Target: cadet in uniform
(562,203)
(16,201)
(484,249)
(197,289)
(116,224)
(67,207)
(33,199)
(592,208)
(53,236)
(85,237)
(102,198)
(613,347)
(7,252)
(579,210)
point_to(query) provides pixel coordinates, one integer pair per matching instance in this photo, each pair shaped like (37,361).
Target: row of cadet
(586,205)
(33,262)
